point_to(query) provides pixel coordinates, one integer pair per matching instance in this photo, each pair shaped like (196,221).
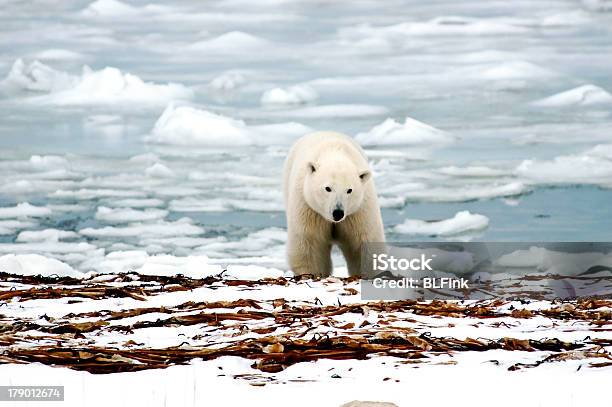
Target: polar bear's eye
(328,189)
(348,191)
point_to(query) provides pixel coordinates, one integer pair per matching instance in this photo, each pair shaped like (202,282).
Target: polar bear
(330,198)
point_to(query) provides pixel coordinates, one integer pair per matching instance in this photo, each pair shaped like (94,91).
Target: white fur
(333,160)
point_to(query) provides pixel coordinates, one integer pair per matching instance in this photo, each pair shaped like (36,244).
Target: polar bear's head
(335,189)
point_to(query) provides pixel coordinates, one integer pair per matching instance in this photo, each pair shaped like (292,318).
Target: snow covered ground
(147,136)
(260,336)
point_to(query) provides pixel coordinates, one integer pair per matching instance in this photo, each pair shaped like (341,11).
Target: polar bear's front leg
(362,227)
(309,255)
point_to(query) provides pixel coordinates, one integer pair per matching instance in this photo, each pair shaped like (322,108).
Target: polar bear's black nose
(338,214)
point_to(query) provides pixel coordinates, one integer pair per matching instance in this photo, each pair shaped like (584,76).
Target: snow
(364,380)
(411,132)
(293,95)
(462,222)
(585,95)
(35,264)
(24,209)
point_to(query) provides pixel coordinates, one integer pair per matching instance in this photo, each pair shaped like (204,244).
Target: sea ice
(411,132)
(159,170)
(293,95)
(228,81)
(108,86)
(586,168)
(185,125)
(188,126)
(462,222)
(585,95)
(332,111)
(125,215)
(58,54)
(135,203)
(36,77)
(35,264)
(181,227)
(463,193)
(473,172)
(235,42)
(23,210)
(46,235)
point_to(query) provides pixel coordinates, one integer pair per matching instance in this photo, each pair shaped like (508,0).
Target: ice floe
(293,95)
(462,222)
(125,215)
(108,86)
(48,162)
(58,54)
(189,126)
(591,167)
(234,42)
(463,193)
(476,171)
(195,266)
(159,170)
(332,111)
(552,261)
(228,81)
(181,227)
(185,125)
(135,203)
(36,77)
(509,70)
(24,210)
(400,35)
(585,95)
(46,235)
(35,264)
(9,227)
(411,132)
(118,9)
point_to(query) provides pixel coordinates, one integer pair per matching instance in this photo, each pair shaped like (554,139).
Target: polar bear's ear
(312,167)
(364,176)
